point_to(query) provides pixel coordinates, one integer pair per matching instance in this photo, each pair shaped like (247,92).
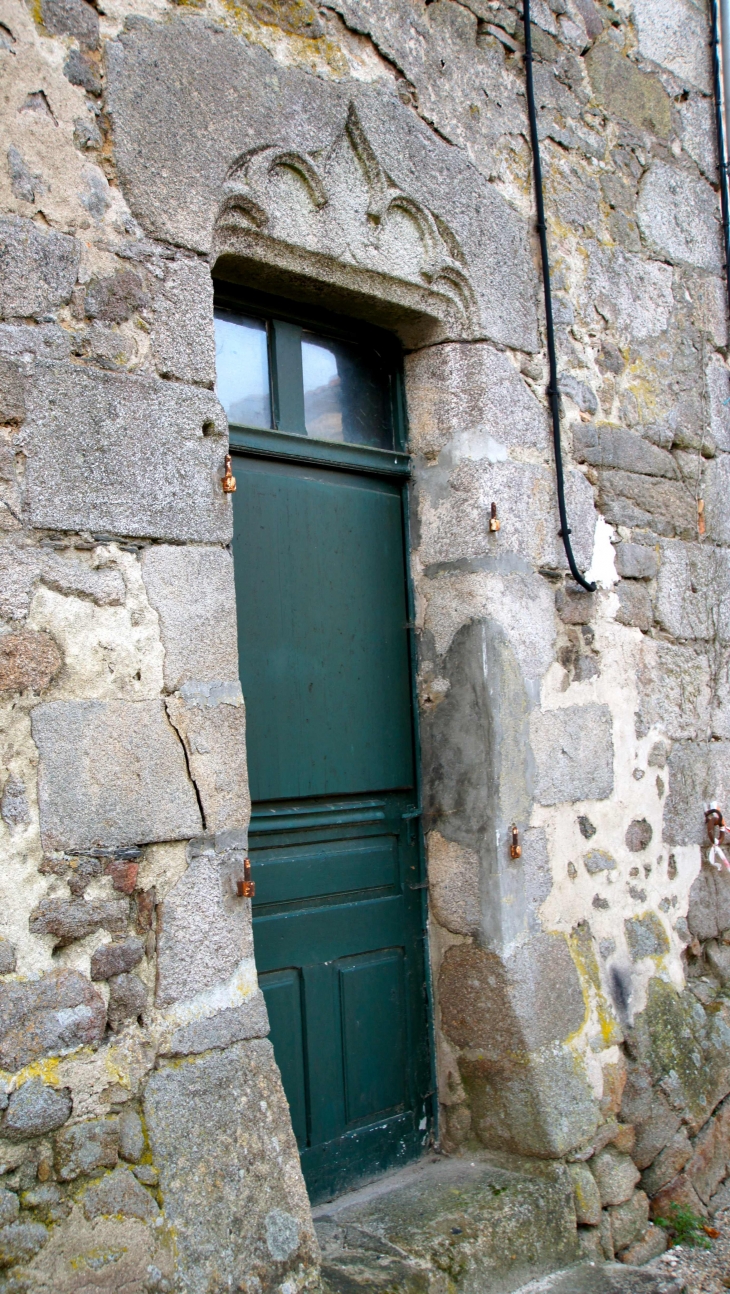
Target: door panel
(338,926)
(321,598)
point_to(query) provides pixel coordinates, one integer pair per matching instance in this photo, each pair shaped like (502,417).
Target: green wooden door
(325,663)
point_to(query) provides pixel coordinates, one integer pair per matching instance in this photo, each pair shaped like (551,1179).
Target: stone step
(444,1226)
(606,1278)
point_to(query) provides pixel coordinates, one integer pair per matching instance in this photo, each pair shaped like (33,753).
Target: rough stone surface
(116,297)
(635,606)
(51,1015)
(38,268)
(629,1221)
(573,750)
(127,999)
(116,959)
(119,1192)
(677,215)
(84,1147)
(8,957)
(192,591)
(615,1174)
(14,803)
(636,561)
(586,1194)
(234,1024)
(28,661)
(156,471)
(241,1146)
(182,334)
(668,1163)
(204,930)
(9,1207)
(68,920)
(33,1110)
(698,773)
(215,744)
(131,1136)
(20,1241)
(646,936)
(130,782)
(627,93)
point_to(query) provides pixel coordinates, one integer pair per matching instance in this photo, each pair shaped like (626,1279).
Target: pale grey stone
(597,861)
(636,561)
(616,1175)
(183,337)
(22,181)
(634,605)
(112,773)
(192,591)
(607,446)
(48,1016)
(83,1147)
(20,1242)
(670,1161)
(633,294)
(718,389)
(119,1193)
(38,268)
(582,395)
(71,18)
(453,886)
(586,1195)
(242,1141)
(716,487)
(41,341)
(646,936)
(104,585)
(204,929)
(692,589)
(9,1207)
(125,455)
(236,1023)
(675,36)
(35,1109)
(573,749)
(674,691)
(696,114)
(19,572)
(652,503)
(631,95)
(13,391)
(131,1136)
(698,772)
(470,402)
(654,1133)
(629,1220)
(14,803)
(718,957)
(679,217)
(174,189)
(702,912)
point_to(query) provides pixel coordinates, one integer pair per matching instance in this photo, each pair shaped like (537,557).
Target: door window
(278,375)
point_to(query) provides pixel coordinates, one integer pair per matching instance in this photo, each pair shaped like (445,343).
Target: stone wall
(372,153)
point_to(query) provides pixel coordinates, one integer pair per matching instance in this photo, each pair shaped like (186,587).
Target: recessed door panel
(373,1029)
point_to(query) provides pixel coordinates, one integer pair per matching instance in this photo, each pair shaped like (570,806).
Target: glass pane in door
(346,393)
(242,369)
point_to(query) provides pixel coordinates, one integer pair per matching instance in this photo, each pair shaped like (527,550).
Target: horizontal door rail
(303,449)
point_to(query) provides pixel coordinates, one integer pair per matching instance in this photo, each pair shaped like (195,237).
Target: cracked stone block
(116,959)
(35,1109)
(676,39)
(678,216)
(192,591)
(215,743)
(38,268)
(48,1016)
(183,336)
(119,1192)
(238,1146)
(573,750)
(156,471)
(653,1243)
(710,1152)
(616,1175)
(670,1161)
(131,1136)
(29,661)
(127,999)
(606,446)
(112,774)
(84,1147)
(654,1133)
(204,931)
(72,919)
(104,585)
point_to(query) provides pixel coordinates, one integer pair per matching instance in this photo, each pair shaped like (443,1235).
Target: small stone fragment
(574,606)
(146,1174)
(35,1109)
(131,1136)
(83,1147)
(48,1202)
(9,1207)
(646,936)
(124,875)
(116,298)
(81,70)
(598,861)
(587,829)
(638,835)
(659,754)
(651,1245)
(120,1193)
(14,803)
(28,660)
(586,1195)
(7,957)
(43,1017)
(127,999)
(116,959)
(629,1221)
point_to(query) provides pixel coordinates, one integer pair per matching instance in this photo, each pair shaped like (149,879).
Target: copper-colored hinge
(515,849)
(228,481)
(246,888)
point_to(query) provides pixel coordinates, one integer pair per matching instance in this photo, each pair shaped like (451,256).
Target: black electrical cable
(721,142)
(552,389)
